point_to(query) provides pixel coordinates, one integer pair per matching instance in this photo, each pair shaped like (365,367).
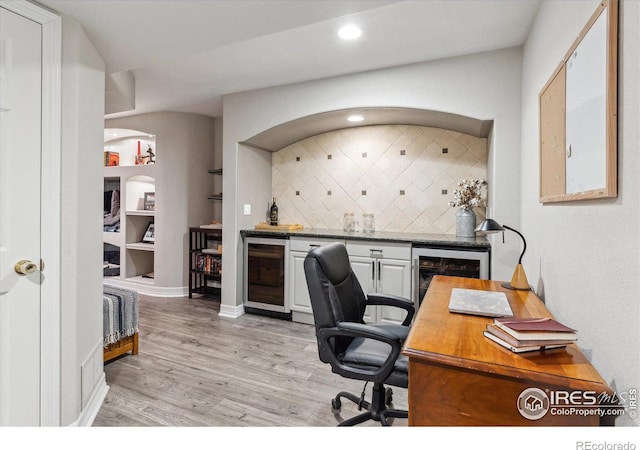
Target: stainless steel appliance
(459,262)
(265,265)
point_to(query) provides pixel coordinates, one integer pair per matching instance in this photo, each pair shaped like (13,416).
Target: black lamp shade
(489,226)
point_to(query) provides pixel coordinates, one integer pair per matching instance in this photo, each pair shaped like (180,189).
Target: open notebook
(479,303)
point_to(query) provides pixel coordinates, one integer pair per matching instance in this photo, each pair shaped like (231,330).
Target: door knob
(25,267)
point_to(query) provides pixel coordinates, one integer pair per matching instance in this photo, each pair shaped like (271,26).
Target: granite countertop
(416,239)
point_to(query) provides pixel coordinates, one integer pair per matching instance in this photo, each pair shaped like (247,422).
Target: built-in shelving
(137,258)
(216,197)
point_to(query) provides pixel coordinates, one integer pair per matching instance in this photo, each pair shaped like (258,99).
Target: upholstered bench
(120,322)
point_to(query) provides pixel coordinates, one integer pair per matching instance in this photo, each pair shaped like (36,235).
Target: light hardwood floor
(197,369)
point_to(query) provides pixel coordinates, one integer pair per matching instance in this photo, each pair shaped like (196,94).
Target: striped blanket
(120,314)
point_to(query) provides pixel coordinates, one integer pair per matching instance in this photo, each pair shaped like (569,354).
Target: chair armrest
(352,329)
(394,300)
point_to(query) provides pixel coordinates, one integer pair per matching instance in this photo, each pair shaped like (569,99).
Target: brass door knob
(25,267)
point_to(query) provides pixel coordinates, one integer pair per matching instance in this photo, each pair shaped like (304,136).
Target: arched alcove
(282,135)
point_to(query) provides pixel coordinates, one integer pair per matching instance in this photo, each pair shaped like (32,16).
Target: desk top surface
(456,340)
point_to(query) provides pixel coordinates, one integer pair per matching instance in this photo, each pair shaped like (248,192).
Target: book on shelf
(529,348)
(501,334)
(209,264)
(479,303)
(542,328)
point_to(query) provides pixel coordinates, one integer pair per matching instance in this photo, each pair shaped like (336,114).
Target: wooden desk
(459,377)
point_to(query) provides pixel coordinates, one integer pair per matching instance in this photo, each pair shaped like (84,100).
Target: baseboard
(231,312)
(148,289)
(302,317)
(90,412)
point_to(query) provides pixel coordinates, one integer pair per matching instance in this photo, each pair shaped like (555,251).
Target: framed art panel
(149,235)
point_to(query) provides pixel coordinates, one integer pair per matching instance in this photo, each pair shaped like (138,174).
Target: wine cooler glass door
(458,263)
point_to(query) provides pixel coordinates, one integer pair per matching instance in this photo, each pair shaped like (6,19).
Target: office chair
(355,350)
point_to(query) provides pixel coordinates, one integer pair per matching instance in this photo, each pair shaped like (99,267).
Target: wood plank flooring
(195,369)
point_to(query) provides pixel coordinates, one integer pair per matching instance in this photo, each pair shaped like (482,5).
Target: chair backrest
(335,293)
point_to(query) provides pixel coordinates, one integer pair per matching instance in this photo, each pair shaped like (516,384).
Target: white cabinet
(298,292)
(382,268)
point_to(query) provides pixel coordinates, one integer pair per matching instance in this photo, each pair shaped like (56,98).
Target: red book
(535,328)
(500,333)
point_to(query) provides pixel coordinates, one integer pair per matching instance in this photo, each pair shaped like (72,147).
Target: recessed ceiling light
(355,118)
(349,32)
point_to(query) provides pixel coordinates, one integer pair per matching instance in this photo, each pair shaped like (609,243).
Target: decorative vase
(465,223)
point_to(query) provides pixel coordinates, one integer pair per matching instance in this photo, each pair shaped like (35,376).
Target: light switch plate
(247,210)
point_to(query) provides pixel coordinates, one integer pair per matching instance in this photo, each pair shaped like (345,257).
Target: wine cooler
(265,266)
(428,262)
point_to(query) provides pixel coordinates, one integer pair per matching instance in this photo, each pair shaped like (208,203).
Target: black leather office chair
(367,352)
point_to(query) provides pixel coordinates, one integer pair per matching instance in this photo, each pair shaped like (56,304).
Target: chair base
(376,410)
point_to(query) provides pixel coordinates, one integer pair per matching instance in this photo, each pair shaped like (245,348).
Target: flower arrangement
(469,195)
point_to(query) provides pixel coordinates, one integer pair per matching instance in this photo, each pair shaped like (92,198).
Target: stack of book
(530,334)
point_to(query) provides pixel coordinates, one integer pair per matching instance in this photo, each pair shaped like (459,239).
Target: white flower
(469,195)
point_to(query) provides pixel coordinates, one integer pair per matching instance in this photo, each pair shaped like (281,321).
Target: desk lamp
(519,279)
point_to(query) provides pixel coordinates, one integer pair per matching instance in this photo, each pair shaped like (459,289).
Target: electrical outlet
(247,210)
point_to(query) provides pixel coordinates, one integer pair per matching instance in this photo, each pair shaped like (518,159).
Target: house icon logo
(533,403)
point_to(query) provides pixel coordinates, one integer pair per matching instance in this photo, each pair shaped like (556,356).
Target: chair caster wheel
(336,405)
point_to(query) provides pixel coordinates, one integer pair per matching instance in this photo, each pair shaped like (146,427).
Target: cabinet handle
(312,246)
(379,267)
(373,270)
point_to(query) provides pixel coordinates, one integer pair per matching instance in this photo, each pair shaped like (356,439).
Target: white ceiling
(184,55)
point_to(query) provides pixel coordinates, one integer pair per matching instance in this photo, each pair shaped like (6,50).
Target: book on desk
(522,348)
(530,328)
(530,334)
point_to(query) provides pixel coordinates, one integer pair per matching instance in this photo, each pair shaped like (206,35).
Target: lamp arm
(523,241)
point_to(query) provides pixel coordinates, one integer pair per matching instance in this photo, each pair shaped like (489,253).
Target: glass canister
(368,223)
(348,222)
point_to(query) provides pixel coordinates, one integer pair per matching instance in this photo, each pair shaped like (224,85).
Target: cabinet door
(298,291)
(394,278)
(365,271)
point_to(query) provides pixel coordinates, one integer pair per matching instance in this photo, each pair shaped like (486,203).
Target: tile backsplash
(403,174)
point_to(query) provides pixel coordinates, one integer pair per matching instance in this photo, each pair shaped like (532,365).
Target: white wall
(584,257)
(81,235)
(483,86)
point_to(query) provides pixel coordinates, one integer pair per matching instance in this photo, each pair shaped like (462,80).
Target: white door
(298,289)
(365,270)
(395,279)
(20,156)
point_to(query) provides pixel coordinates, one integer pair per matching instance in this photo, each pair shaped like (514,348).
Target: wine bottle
(273,213)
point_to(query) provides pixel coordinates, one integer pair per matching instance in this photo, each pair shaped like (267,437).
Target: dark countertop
(416,239)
